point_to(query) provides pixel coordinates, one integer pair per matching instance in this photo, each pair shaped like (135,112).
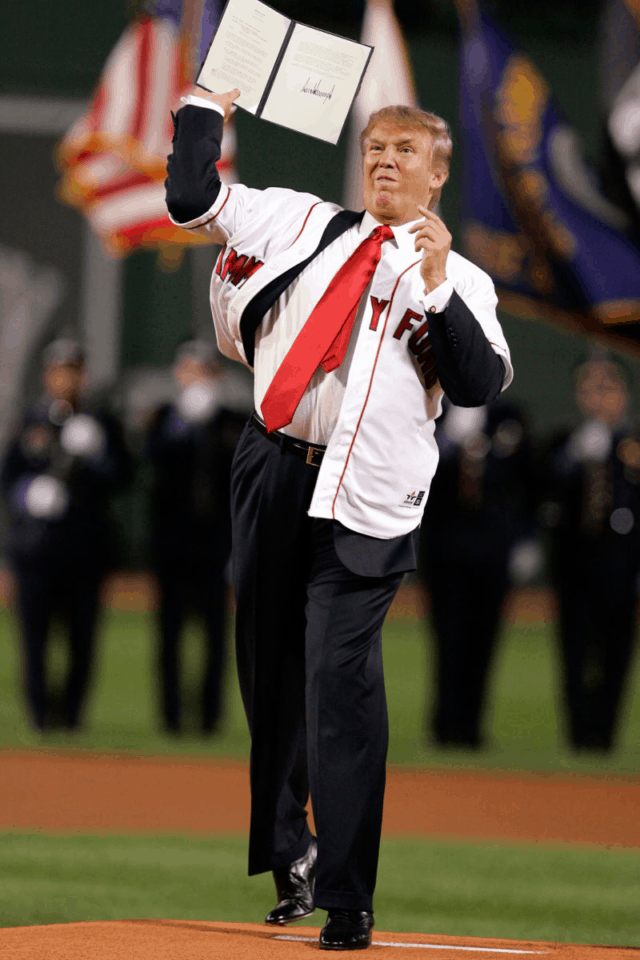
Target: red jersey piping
(312,207)
(366,399)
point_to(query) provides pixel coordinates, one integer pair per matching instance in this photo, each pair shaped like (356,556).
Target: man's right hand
(224,100)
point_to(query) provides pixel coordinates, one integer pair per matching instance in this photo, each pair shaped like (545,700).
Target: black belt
(311,453)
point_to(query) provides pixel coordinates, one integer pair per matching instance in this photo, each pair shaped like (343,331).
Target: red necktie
(325,336)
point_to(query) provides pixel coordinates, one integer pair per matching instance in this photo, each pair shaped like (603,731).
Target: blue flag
(204,16)
(532,214)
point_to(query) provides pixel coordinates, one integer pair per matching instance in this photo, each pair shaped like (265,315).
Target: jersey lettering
(419,339)
(247,270)
(406,323)
(377,306)
(220,259)
(420,347)
(236,268)
(233,264)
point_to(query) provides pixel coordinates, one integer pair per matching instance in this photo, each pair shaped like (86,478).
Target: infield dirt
(141,794)
(190,940)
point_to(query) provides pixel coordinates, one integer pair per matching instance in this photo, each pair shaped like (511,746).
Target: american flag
(113,159)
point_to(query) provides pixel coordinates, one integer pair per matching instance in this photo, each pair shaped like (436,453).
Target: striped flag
(534,218)
(113,159)
(387,82)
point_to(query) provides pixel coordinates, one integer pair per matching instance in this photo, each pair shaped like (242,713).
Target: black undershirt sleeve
(193,181)
(470,371)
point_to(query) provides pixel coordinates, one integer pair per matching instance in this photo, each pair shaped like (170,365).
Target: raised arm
(193,182)
(197,200)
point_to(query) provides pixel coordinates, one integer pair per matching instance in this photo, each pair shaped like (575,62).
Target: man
(67,458)
(592,509)
(331,474)
(190,444)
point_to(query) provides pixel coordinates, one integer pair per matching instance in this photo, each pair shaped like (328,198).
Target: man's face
(601,395)
(63,381)
(398,175)
(188,371)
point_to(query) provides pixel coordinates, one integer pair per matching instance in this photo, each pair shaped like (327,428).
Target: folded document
(292,74)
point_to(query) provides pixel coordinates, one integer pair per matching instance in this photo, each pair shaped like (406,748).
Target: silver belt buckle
(311,454)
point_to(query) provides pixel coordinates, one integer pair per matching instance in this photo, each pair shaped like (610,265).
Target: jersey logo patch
(413,499)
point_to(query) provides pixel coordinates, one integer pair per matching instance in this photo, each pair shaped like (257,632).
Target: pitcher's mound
(194,940)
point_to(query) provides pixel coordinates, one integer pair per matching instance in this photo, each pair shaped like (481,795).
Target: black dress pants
(466,606)
(596,590)
(309,651)
(46,588)
(193,586)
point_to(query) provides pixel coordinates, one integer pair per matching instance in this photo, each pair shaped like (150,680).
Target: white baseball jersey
(378,422)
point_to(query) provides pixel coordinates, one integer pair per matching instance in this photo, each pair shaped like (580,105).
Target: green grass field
(563,892)
(523,721)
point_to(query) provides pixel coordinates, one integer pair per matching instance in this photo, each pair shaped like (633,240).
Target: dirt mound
(191,940)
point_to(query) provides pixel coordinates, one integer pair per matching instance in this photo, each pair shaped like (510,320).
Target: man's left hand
(433,238)
(224,100)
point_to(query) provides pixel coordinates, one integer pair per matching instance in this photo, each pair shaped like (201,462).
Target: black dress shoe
(346,930)
(294,887)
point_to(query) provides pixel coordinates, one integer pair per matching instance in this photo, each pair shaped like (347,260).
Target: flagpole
(468,13)
(633,6)
(192,14)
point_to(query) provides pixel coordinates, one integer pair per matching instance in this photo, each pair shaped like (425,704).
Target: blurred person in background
(477,537)
(592,510)
(190,445)
(66,458)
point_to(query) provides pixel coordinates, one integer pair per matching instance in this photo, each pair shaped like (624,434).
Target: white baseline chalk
(426,946)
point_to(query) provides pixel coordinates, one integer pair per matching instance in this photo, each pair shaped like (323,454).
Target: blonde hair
(437,128)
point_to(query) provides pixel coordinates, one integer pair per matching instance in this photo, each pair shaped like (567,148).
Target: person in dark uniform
(592,509)
(63,463)
(481,508)
(190,445)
